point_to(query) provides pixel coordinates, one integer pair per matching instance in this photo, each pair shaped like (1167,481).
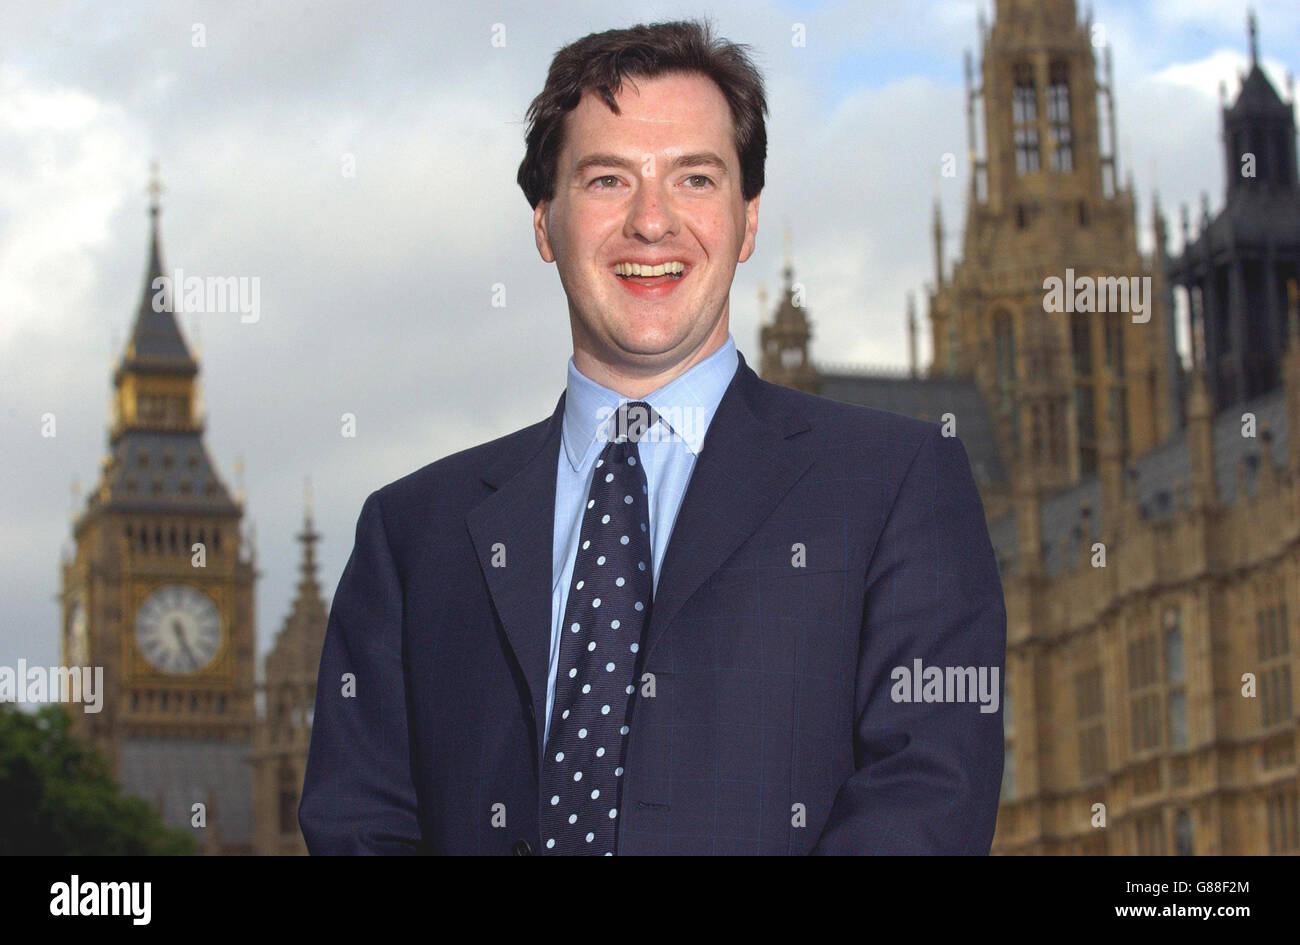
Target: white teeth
(636,269)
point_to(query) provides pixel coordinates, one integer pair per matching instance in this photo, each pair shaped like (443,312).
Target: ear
(751,229)
(540,234)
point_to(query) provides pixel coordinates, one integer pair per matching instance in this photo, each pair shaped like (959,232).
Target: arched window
(1081,344)
(288,800)
(1056,432)
(1117,405)
(1004,355)
(1144,692)
(1175,667)
(1184,837)
(1090,714)
(1024,118)
(1274,653)
(1114,329)
(1085,421)
(1058,118)
(1175,678)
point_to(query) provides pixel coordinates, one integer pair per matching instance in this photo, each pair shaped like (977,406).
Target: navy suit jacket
(765,722)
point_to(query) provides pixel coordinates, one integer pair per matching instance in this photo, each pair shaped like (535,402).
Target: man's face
(659,182)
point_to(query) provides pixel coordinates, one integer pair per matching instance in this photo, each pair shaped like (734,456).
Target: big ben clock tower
(160,593)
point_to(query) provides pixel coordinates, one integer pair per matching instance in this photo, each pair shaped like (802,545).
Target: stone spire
(295,656)
(784,340)
(156,338)
(911,336)
(1252,31)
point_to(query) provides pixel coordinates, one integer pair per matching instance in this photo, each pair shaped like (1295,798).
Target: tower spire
(154,190)
(937,233)
(784,340)
(308,536)
(1252,29)
(788,264)
(154,380)
(156,337)
(911,335)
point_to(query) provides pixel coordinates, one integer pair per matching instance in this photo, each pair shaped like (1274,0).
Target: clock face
(178,629)
(78,634)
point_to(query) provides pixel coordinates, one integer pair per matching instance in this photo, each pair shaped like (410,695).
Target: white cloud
(69,158)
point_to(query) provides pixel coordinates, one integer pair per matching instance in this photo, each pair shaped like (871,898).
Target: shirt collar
(695,394)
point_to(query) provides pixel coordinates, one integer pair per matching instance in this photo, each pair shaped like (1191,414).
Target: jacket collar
(686,405)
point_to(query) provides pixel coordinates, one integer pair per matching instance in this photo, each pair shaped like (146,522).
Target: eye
(600,181)
(700,177)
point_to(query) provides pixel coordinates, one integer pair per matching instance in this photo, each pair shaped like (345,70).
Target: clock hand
(180,635)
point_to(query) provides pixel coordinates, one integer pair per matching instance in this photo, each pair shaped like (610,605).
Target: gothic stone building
(1145,516)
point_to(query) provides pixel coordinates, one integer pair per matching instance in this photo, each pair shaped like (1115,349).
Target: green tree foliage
(56,796)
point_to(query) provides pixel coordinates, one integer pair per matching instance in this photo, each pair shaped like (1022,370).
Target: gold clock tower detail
(159,592)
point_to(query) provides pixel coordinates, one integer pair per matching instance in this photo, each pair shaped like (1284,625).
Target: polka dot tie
(608,605)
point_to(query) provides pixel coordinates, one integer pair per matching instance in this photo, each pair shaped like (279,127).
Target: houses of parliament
(1144,510)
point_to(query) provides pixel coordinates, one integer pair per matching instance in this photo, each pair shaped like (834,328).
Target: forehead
(673,112)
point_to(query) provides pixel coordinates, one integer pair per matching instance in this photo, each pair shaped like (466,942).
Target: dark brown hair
(599,63)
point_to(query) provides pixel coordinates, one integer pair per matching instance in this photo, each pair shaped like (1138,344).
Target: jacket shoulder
(842,419)
(459,475)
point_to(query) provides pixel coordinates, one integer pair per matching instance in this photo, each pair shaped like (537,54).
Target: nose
(650,215)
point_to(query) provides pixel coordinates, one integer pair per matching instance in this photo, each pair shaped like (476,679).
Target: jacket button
(522,848)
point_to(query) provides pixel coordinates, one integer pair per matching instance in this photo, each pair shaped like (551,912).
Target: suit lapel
(520,518)
(744,468)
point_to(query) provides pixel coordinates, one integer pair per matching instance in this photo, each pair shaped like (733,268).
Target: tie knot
(634,418)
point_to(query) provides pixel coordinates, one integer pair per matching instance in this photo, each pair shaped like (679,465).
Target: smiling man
(671,618)
(645,215)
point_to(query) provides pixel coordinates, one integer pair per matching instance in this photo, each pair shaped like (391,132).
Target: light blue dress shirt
(668,450)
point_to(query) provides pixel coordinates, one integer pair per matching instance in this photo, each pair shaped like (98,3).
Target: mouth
(650,280)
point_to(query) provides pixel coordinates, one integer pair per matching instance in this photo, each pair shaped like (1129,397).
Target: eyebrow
(691,159)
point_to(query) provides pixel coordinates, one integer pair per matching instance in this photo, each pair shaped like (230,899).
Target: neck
(634,382)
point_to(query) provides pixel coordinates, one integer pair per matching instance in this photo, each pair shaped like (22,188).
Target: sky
(376,287)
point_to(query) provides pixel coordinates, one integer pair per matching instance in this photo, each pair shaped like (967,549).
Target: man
(672,617)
